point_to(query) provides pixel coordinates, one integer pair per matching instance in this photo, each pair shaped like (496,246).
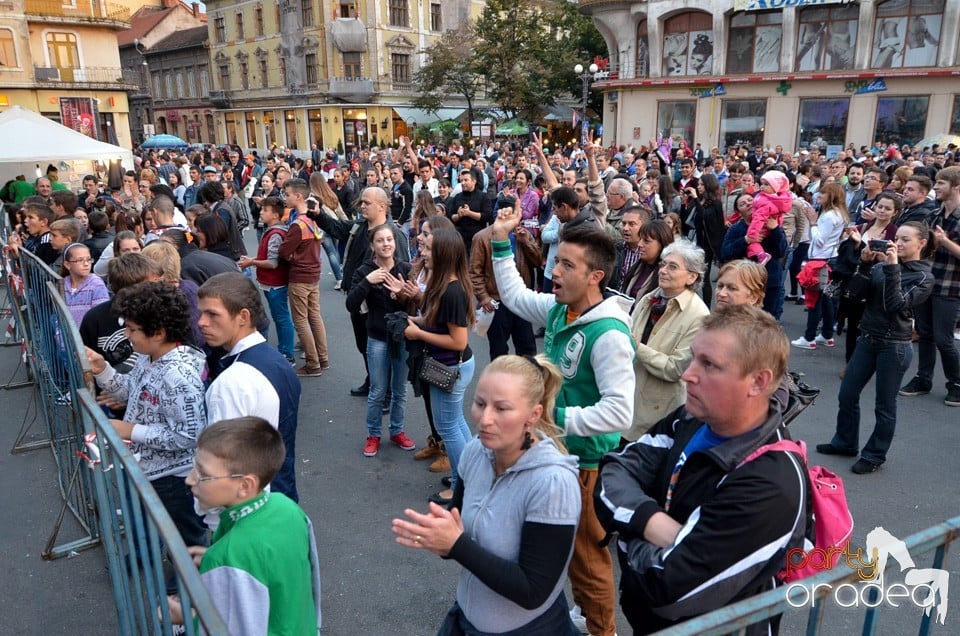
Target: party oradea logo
(925,588)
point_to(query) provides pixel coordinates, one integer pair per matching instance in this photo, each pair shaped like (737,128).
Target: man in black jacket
(374,211)
(916,205)
(471,210)
(698,530)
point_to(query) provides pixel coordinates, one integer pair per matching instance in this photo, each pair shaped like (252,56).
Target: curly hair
(155,307)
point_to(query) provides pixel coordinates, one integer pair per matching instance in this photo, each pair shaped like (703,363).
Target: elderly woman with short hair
(664,323)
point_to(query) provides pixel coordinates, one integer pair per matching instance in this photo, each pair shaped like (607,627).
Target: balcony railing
(88,75)
(79,9)
(351,88)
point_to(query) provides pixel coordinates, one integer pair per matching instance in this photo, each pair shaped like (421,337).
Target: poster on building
(701,53)
(675,54)
(763,5)
(767,50)
(80,114)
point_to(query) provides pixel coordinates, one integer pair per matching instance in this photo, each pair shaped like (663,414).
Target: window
(306,12)
(8,50)
(351,65)
(204,82)
(643,50)
(279,21)
(191,83)
(754,42)
(240,34)
(823,123)
(258,19)
(907,33)
(168,85)
(398,13)
(180,89)
(676,120)
(224,71)
(220,29)
(313,70)
(742,122)
(244,75)
(264,80)
(901,120)
(436,17)
(688,44)
(400,66)
(955,118)
(62,49)
(827,38)
(157,87)
(348,10)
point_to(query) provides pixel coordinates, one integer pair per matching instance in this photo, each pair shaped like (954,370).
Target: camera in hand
(879,245)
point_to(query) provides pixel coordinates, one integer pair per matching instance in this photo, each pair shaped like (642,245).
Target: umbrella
(513,128)
(164,141)
(942,140)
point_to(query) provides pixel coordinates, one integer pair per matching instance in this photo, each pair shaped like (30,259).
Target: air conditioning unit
(47,73)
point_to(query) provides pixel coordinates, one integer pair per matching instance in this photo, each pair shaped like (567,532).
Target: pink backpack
(832,521)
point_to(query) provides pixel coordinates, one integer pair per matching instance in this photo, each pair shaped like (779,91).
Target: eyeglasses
(81,260)
(195,473)
(672,267)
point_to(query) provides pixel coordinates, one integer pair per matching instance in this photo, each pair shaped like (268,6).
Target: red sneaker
(404,442)
(371,447)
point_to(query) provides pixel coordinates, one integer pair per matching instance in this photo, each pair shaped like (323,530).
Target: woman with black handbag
(893,278)
(447,313)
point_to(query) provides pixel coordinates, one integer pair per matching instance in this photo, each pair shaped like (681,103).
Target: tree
(527,51)
(449,70)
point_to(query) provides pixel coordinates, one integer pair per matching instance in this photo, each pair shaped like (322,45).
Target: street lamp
(585,76)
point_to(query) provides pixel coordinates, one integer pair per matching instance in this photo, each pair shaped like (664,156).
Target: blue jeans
(333,255)
(936,318)
(385,371)
(280,312)
(448,415)
(826,310)
(889,360)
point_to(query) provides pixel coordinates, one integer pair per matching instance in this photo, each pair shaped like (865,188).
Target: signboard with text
(763,5)
(79,113)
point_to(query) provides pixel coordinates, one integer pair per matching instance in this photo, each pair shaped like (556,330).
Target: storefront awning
(349,35)
(421,117)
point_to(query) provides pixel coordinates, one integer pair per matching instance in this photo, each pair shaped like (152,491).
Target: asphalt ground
(373,586)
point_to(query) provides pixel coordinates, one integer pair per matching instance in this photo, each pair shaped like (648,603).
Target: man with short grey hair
(619,200)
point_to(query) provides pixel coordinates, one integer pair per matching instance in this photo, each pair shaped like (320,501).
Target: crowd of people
(655,378)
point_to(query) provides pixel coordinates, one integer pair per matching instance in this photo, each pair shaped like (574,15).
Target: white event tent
(29,141)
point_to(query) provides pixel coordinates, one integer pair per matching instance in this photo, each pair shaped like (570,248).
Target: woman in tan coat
(664,323)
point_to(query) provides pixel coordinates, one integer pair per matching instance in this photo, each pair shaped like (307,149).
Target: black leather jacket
(891,292)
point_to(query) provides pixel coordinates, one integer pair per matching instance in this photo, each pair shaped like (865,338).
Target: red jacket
(272,277)
(301,248)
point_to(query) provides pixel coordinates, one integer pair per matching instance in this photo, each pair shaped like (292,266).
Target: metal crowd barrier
(59,364)
(110,497)
(137,533)
(734,619)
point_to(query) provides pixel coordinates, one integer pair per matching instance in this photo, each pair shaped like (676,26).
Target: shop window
(907,33)
(676,120)
(688,44)
(742,122)
(827,38)
(901,120)
(754,42)
(955,118)
(823,123)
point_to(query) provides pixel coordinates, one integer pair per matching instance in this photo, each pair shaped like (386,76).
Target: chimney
(196,9)
(168,4)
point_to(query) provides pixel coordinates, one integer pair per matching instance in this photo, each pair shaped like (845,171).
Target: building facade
(60,59)
(796,73)
(331,73)
(150,25)
(179,67)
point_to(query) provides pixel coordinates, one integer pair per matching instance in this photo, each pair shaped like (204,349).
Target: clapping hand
(436,531)
(378,276)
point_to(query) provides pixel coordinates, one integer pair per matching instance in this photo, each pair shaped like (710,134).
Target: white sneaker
(826,342)
(579,620)
(803,343)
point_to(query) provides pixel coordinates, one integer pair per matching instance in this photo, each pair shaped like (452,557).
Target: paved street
(371,585)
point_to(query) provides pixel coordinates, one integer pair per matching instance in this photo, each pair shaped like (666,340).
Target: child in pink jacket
(771,202)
